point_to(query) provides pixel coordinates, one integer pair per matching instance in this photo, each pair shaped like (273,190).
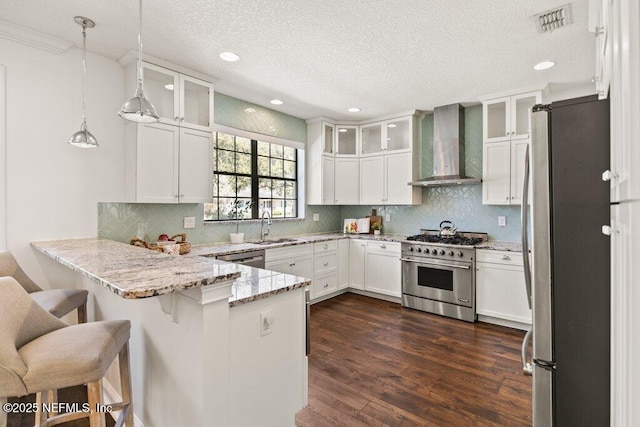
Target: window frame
(255,176)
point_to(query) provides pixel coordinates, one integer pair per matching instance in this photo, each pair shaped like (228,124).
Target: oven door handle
(436,264)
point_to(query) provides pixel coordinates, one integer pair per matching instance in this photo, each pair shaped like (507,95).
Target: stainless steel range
(438,272)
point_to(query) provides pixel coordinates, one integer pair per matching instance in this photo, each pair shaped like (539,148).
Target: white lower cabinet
(383,268)
(343,263)
(501,295)
(325,270)
(296,260)
(357,255)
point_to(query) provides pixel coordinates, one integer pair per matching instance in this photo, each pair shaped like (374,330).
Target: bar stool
(58,302)
(39,353)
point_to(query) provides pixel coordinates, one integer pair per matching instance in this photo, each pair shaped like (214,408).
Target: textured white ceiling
(323,56)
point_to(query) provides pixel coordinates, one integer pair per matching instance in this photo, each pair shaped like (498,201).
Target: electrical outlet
(189,222)
(387,217)
(266,322)
(502,221)
(316,217)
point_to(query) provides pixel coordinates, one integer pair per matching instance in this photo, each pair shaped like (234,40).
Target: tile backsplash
(460,204)
(119,222)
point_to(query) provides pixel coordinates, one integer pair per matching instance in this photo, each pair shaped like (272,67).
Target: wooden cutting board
(374,219)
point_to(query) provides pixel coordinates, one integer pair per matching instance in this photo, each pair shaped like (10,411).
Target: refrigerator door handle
(527,368)
(525,227)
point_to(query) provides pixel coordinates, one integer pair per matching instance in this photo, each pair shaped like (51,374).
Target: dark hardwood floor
(374,363)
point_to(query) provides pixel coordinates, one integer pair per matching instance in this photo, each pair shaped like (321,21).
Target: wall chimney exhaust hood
(448,149)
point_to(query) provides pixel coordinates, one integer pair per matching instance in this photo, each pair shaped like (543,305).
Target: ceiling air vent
(553,19)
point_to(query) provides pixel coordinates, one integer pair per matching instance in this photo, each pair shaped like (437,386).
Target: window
(259,175)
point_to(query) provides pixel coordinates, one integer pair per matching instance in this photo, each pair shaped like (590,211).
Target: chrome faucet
(269,222)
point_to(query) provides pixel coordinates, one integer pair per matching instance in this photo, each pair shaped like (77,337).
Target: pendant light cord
(84,73)
(140,44)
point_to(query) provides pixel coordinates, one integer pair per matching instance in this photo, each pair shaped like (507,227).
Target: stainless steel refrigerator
(568,278)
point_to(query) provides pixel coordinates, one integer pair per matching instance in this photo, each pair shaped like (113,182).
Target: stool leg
(40,415)
(94,394)
(125,382)
(82,313)
(3,414)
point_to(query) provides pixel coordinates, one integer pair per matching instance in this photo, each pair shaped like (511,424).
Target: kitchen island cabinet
(197,325)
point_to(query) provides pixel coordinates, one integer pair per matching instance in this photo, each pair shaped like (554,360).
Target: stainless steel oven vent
(554,19)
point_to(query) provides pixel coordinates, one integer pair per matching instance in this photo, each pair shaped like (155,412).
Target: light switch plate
(189,222)
(502,221)
(387,217)
(316,217)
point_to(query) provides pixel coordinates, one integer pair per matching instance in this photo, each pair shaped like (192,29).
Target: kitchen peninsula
(198,349)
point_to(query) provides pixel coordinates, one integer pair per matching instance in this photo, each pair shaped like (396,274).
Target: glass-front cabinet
(371,138)
(508,117)
(399,135)
(179,99)
(347,140)
(328,131)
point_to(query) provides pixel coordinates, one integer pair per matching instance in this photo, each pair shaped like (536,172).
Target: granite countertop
(213,250)
(133,272)
(501,246)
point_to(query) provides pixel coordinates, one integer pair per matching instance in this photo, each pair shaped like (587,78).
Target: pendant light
(83,138)
(138,108)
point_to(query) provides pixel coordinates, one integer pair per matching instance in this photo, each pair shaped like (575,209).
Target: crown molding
(132,56)
(26,36)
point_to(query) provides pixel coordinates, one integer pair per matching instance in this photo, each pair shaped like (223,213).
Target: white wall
(52,187)
(3,175)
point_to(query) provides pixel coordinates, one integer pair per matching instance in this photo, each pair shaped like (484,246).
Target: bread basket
(185,247)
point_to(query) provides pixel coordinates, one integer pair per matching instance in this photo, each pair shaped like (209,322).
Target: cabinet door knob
(292,264)
(606,230)
(176,118)
(608,175)
(506,257)
(383,246)
(326,263)
(326,246)
(326,285)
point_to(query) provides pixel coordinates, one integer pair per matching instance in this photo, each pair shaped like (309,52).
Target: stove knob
(441,251)
(419,250)
(450,253)
(411,249)
(460,254)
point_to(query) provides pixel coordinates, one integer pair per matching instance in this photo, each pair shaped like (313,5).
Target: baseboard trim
(503,322)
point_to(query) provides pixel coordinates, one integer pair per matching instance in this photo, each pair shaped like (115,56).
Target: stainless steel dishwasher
(251,258)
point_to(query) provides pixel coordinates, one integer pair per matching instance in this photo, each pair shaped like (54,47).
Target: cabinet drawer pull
(326,246)
(326,285)
(292,264)
(325,263)
(383,246)
(506,257)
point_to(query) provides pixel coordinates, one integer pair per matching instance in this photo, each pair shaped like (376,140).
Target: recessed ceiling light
(353,109)
(543,65)
(392,125)
(249,110)
(276,102)
(168,86)
(342,130)
(229,57)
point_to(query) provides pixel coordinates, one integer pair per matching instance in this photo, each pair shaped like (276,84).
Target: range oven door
(440,280)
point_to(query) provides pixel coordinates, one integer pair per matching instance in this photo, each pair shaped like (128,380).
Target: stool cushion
(60,301)
(73,355)
(22,321)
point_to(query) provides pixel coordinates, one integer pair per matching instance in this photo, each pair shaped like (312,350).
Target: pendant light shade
(83,138)
(138,108)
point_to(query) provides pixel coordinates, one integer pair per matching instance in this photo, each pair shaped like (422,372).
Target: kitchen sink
(272,241)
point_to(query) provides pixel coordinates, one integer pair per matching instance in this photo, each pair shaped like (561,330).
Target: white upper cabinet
(508,117)
(506,135)
(347,140)
(179,99)
(371,139)
(346,181)
(328,132)
(168,164)
(391,135)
